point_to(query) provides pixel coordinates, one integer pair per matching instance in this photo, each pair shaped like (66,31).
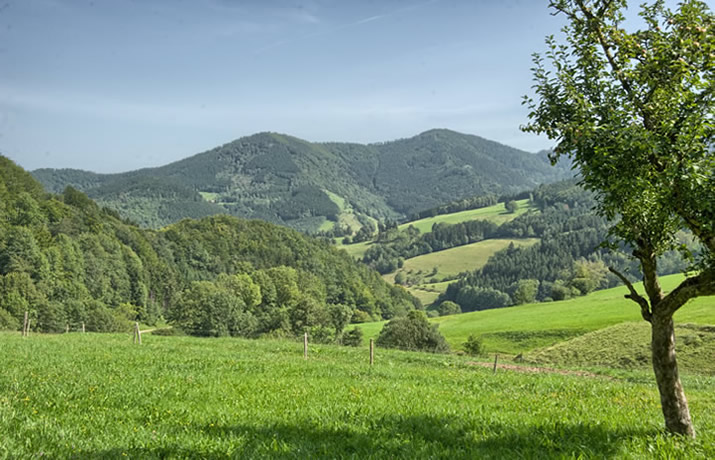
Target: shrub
(474,345)
(449,308)
(412,332)
(353,337)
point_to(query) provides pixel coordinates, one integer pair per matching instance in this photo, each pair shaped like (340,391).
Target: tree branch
(696,286)
(593,19)
(634,296)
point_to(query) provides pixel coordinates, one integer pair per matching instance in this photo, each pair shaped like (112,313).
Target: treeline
(568,261)
(67,261)
(393,245)
(476,202)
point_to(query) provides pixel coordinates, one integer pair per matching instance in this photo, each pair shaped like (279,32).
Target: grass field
(627,345)
(356,250)
(527,327)
(496,214)
(98,396)
(454,261)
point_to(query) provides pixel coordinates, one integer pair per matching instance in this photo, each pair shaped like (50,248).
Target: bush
(475,298)
(449,308)
(353,337)
(474,345)
(7,321)
(360,316)
(412,332)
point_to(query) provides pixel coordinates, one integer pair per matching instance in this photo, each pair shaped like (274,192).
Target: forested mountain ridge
(305,185)
(69,262)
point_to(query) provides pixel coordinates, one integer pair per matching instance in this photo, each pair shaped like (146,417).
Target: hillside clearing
(453,261)
(497,214)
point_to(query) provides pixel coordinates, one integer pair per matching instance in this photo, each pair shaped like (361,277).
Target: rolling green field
(527,327)
(99,396)
(497,214)
(357,250)
(628,345)
(454,261)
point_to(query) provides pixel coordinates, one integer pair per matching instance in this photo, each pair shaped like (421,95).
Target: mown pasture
(100,396)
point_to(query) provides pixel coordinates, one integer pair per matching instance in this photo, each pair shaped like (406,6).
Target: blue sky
(117,85)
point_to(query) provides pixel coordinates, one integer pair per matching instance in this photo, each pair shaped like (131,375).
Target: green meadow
(99,396)
(453,261)
(497,214)
(524,328)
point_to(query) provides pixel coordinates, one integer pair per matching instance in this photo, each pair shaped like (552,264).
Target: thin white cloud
(341,27)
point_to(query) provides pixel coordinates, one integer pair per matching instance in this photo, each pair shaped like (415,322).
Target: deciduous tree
(634,112)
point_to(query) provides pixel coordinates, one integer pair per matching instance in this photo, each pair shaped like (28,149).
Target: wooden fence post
(137,334)
(24,325)
(67,329)
(496,357)
(372,352)
(305,346)
(82,327)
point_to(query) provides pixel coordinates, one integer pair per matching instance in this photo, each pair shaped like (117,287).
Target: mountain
(309,186)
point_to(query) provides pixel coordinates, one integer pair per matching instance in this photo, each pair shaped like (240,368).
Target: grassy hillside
(310,186)
(453,261)
(627,345)
(497,214)
(527,327)
(99,396)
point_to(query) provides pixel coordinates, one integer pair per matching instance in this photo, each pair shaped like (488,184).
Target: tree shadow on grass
(399,437)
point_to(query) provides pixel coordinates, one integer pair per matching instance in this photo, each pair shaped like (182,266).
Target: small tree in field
(634,111)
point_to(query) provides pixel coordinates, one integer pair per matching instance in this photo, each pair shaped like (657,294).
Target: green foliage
(352,338)
(290,181)
(448,308)
(634,111)
(473,346)
(475,298)
(511,206)
(568,259)
(412,332)
(524,291)
(67,262)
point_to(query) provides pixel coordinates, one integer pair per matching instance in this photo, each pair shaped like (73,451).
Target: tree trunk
(672,396)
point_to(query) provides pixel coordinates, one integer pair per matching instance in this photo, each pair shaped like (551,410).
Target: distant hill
(67,262)
(309,186)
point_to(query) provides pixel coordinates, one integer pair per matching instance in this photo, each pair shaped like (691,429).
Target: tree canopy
(69,262)
(634,112)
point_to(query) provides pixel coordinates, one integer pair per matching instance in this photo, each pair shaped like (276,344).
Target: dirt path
(539,370)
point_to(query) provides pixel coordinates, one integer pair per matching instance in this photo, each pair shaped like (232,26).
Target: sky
(116,85)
